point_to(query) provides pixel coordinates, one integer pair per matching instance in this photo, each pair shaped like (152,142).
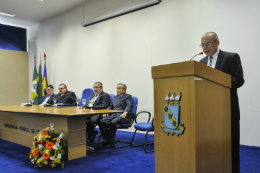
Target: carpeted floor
(14,158)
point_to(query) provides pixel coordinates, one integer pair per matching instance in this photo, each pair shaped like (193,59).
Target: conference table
(19,124)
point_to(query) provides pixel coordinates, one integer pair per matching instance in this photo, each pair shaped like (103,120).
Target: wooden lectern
(205,145)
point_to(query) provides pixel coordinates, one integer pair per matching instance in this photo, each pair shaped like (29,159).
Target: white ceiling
(32,12)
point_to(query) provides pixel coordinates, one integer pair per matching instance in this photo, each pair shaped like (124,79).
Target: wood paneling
(172,153)
(205,145)
(213,127)
(76,151)
(191,68)
(14,77)
(71,122)
(57,111)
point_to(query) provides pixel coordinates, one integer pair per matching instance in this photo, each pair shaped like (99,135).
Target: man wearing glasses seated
(65,96)
(229,63)
(48,99)
(100,100)
(108,125)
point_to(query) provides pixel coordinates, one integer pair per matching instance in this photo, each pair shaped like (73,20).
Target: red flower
(45,156)
(49,145)
(36,151)
(43,142)
(44,133)
(36,143)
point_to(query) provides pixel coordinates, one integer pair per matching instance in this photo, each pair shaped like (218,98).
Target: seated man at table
(101,100)
(65,96)
(108,125)
(48,99)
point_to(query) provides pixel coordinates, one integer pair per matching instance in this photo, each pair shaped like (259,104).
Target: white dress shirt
(214,59)
(46,99)
(94,99)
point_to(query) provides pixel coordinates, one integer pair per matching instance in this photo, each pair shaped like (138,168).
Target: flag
(35,80)
(40,87)
(45,79)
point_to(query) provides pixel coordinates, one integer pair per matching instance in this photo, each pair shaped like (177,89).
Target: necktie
(118,99)
(210,61)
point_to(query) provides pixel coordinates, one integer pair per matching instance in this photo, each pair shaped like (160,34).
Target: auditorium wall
(123,49)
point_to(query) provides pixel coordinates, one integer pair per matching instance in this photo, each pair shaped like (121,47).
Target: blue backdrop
(13,38)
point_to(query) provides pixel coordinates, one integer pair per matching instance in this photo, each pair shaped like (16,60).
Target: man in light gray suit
(108,125)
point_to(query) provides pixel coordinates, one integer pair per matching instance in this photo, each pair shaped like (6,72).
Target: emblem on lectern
(172,115)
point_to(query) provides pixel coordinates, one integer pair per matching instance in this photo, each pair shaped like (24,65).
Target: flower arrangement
(48,149)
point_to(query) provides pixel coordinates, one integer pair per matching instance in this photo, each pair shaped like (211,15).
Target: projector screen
(96,11)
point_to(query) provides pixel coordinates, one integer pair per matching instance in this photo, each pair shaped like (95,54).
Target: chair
(129,120)
(85,95)
(111,97)
(144,126)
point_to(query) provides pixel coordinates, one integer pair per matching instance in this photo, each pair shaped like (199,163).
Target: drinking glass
(77,101)
(54,100)
(84,101)
(91,104)
(32,100)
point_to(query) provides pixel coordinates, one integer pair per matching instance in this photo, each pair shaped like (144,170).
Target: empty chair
(143,126)
(85,95)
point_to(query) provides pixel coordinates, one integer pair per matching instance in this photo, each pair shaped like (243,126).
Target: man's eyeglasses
(61,88)
(206,44)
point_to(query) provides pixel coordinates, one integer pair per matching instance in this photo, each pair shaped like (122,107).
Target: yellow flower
(47,151)
(57,160)
(40,165)
(47,136)
(30,157)
(45,162)
(38,161)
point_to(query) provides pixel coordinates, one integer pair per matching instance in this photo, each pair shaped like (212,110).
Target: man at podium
(229,63)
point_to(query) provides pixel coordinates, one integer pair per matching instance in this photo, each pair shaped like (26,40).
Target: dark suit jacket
(50,101)
(124,103)
(68,98)
(230,63)
(102,101)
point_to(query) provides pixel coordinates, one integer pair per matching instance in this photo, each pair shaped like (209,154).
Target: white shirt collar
(215,56)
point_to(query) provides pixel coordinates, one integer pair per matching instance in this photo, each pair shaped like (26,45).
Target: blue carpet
(14,158)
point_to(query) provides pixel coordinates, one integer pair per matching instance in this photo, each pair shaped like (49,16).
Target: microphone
(197,55)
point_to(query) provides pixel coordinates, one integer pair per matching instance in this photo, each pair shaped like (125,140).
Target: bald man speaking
(229,63)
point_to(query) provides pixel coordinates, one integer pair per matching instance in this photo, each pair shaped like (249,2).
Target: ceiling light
(7,14)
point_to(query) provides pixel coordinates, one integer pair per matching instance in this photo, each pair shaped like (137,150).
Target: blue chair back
(85,95)
(135,103)
(111,97)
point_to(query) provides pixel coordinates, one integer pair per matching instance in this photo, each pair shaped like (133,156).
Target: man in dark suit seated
(229,63)
(48,99)
(101,100)
(108,125)
(65,96)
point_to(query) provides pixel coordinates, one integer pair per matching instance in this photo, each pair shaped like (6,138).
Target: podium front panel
(205,145)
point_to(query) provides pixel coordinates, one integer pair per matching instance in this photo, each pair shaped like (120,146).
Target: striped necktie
(210,61)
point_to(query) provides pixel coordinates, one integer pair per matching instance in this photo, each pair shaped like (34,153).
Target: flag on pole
(45,79)
(40,88)
(35,80)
